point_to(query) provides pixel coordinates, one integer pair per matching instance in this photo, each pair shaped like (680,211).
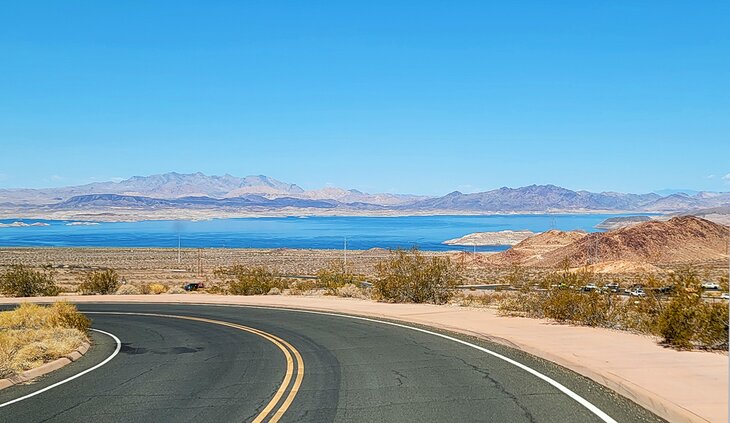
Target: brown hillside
(685,239)
(535,247)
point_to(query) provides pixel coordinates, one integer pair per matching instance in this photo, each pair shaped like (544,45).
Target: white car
(710,285)
(638,292)
(725,296)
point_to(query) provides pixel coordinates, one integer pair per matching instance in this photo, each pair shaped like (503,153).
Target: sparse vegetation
(409,276)
(243,280)
(335,276)
(100,282)
(22,281)
(684,320)
(302,287)
(689,321)
(176,290)
(32,335)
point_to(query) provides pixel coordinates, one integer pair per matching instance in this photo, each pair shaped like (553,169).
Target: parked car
(613,287)
(666,290)
(725,296)
(590,287)
(710,285)
(194,286)
(637,292)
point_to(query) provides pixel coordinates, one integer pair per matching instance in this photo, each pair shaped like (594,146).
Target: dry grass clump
(32,335)
(128,290)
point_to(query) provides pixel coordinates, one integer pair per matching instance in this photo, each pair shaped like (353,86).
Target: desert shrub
(274,291)
(684,320)
(243,280)
(21,281)
(335,276)
(688,320)
(100,282)
(408,276)
(216,289)
(176,290)
(523,304)
(350,290)
(516,277)
(128,289)
(724,283)
(712,332)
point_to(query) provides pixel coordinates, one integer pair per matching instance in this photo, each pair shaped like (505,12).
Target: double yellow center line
(294,365)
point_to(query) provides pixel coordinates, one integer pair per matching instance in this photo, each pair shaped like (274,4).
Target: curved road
(255,364)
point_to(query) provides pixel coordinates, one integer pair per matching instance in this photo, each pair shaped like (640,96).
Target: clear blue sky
(418,96)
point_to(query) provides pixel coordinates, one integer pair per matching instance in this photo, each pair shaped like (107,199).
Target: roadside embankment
(680,386)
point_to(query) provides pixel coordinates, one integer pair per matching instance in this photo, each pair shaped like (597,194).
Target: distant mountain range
(217,196)
(176,185)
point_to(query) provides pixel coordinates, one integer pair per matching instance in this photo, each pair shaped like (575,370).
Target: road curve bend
(196,363)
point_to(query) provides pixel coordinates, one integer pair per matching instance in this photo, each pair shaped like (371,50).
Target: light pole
(345,256)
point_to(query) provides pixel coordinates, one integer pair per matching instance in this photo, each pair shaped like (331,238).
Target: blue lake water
(425,232)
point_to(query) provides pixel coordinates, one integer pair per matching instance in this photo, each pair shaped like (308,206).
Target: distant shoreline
(129,216)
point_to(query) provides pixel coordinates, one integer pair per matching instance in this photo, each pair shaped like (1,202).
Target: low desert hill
(680,240)
(532,249)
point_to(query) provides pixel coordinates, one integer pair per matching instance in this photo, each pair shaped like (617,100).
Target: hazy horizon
(663,191)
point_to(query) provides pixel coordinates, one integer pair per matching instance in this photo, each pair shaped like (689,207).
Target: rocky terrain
(621,222)
(532,250)
(491,238)
(680,240)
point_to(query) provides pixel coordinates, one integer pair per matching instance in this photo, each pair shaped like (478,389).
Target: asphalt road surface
(233,364)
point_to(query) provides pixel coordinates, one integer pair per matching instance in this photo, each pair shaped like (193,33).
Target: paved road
(181,370)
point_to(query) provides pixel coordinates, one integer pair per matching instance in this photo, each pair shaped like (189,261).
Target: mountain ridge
(258,193)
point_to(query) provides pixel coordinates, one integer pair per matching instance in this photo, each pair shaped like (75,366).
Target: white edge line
(559,386)
(40,391)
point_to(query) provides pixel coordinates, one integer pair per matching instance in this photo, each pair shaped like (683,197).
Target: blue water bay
(425,232)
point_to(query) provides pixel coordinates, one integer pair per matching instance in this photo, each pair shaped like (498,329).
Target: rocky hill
(101,201)
(686,239)
(491,238)
(621,222)
(174,185)
(536,198)
(267,193)
(533,249)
